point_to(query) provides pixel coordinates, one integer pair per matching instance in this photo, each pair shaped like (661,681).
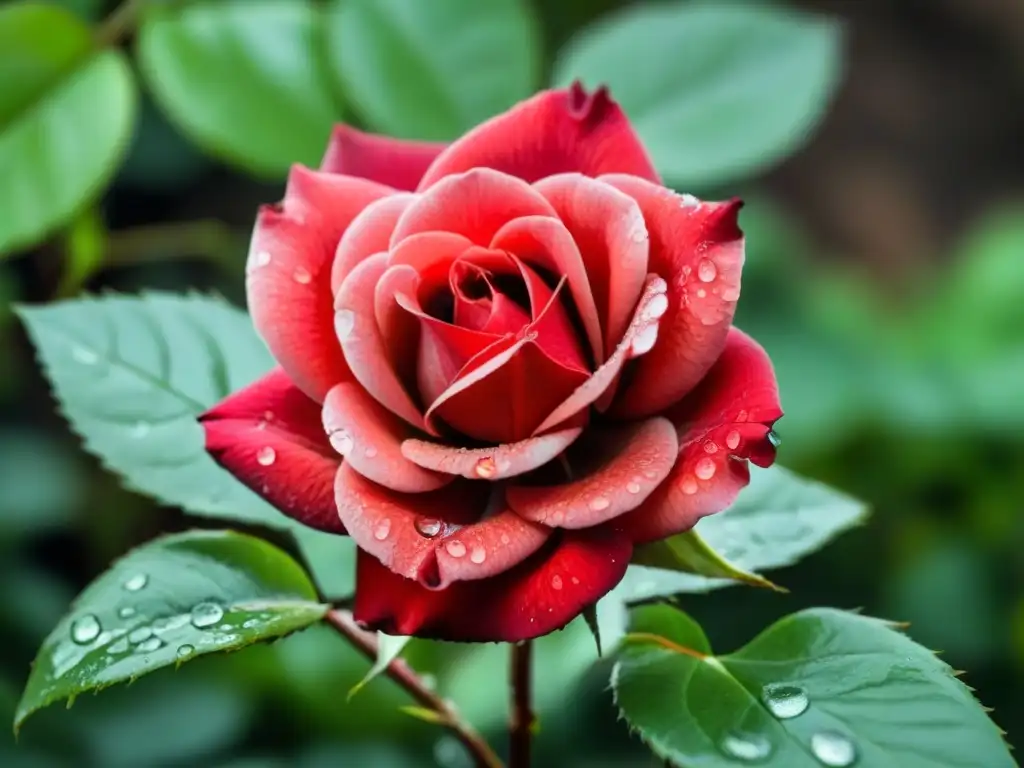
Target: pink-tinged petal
(268,435)
(698,248)
(370,438)
(540,595)
(480,304)
(397,163)
(461,532)
(557,131)
(640,336)
(356,325)
(496,463)
(546,243)
(721,425)
(613,474)
(367,235)
(288,273)
(609,231)
(475,204)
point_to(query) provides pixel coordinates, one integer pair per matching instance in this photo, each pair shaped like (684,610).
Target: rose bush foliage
(503,363)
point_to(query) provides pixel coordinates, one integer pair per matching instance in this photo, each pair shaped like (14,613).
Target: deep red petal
(721,424)
(269,436)
(397,163)
(556,334)
(540,595)
(367,235)
(496,463)
(609,231)
(626,465)
(698,248)
(370,438)
(437,537)
(289,273)
(556,131)
(475,204)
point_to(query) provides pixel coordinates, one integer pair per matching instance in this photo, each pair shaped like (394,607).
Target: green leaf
(689,553)
(717,90)
(173,599)
(131,375)
(432,70)
(776,520)
(388,649)
(244,79)
(66,115)
(818,688)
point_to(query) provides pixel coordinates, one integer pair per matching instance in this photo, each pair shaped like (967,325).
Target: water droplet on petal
(150,645)
(711,447)
(599,504)
(747,747)
(206,615)
(707,271)
(184,651)
(638,229)
(774,439)
(486,468)
(85,356)
(136,582)
(633,486)
(85,629)
(833,749)
(428,527)
(650,474)
(575,580)
(382,530)
(701,293)
(556,582)
(455,548)
(505,538)
(785,701)
(656,307)
(344,322)
(261,258)
(341,441)
(644,341)
(688,201)
(689,485)
(266,456)
(478,555)
(126,612)
(301,276)
(731,294)
(732,440)
(369,452)
(140,634)
(704,469)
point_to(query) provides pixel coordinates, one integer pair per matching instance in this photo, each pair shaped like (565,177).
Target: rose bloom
(503,364)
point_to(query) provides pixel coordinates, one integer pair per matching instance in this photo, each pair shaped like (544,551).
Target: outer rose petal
(474,204)
(721,424)
(370,438)
(631,462)
(698,248)
(368,234)
(289,267)
(399,164)
(557,131)
(540,595)
(436,537)
(609,231)
(268,435)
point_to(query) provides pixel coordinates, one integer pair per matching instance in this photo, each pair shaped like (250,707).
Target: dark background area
(886,278)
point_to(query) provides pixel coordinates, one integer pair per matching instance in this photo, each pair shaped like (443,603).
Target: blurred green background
(885,275)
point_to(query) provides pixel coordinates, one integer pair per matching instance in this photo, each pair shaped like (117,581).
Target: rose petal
(557,131)
(368,234)
(288,273)
(556,334)
(370,438)
(475,204)
(640,336)
(356,325)
(722,423)
(540,595)
(268,435)
(397,163)
(698,248)
(609,231)
(495,463)
(437,537)
(627,465)
(546,243)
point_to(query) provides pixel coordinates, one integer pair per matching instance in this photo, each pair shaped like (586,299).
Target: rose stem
(521,722)
(399,671)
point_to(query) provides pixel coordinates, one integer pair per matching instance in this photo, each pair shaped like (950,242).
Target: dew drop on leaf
(126,612)
(136,582)
(85,629)
(184,651)
(833,749)
(785,701)
(748,747)
(140,634)
(206,615)
(150,645)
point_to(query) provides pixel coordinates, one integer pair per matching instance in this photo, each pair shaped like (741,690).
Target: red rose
(522,346)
